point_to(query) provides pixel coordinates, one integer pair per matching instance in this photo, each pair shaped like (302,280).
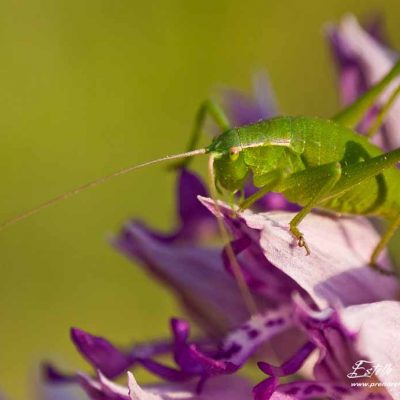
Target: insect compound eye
(234,153)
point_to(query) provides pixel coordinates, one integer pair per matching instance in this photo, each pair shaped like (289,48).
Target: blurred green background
(89,86)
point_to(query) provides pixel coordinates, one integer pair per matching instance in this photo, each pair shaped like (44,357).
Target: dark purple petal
(167,373)
(266,388)
(101,353)
(292,365)
(52,375)
(106,358)
(192,215)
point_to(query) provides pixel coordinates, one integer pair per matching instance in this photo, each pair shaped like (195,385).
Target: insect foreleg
(272,179)
(353,114)
(329,174)
(211,108)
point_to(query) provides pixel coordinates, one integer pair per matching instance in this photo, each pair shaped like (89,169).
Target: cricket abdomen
(296,145)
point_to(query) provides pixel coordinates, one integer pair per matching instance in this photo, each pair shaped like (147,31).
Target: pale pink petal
(378,338)
(222,388)
(337,270)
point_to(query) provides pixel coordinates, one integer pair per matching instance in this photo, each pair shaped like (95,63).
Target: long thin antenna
(236,269)
(93,184)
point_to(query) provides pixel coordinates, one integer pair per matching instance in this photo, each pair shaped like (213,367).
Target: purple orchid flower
(318,316)
(362,57)
(264,247)
(347,340)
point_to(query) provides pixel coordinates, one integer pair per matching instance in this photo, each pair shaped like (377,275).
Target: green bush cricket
(315,163)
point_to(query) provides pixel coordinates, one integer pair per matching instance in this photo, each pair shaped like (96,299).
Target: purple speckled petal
(337,270)
(363,60)
(234,350)
(311,390)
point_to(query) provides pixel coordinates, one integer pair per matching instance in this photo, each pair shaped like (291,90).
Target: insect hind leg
(387,236)
(380,118)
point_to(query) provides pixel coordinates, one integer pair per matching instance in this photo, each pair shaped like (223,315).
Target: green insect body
(298,146)
(314,162)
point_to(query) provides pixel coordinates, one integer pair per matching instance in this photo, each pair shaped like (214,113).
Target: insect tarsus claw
(302,243)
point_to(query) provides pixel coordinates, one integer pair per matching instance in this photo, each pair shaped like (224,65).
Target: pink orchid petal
(354,339)
(337,270)
(223,388)
(196,274)
(377,326)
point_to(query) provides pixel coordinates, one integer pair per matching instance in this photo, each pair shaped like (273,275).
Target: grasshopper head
(230,168)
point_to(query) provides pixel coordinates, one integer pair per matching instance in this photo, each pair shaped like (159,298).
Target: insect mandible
(314,162)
